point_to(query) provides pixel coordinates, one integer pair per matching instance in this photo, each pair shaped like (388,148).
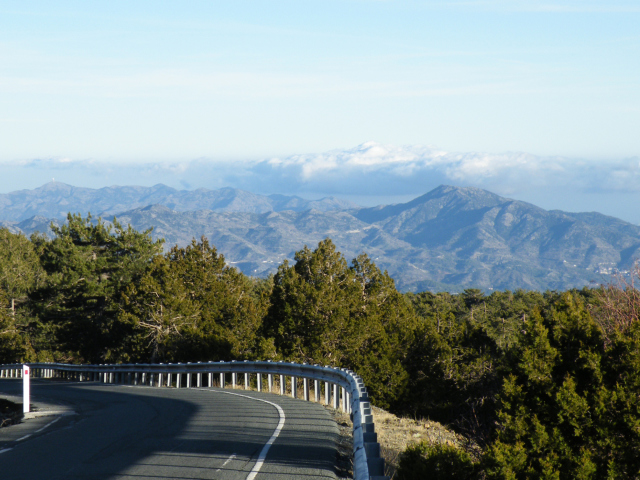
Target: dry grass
(395,434)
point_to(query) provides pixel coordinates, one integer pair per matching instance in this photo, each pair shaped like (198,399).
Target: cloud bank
(372,173)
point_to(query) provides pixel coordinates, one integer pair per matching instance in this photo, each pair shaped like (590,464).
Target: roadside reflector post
(26,387)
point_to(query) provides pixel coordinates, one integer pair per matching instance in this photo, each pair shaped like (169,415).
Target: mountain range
(448,239)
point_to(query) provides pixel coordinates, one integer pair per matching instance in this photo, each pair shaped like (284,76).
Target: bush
(435,462)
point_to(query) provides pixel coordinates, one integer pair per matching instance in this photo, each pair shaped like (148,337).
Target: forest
(542,385)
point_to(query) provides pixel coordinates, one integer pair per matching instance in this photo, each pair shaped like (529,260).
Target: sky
(374,100)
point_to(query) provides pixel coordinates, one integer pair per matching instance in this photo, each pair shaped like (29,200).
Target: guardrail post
(222,380)
(294,387)
(316,390)
(305,387)
(246,381)
(270,382)
(282,384)
(344,400)
(199,380)
(189,374)
(234,377)
(259,381)
(336,396)
(210,379)
(327,393)
(178,379)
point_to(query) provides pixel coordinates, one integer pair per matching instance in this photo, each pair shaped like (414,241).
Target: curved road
(121,432)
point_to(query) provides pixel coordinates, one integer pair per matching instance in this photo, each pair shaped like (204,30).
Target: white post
(199,380)
(282,384)
(222,380)
(26,389)
(259,382)
(246,381)
(316,390)
(294,387)
(210,379)
(344,400)
(336,396)
(305,383)
(327,393)
(270,381)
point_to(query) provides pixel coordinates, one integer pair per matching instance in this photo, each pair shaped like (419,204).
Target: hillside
(448,239)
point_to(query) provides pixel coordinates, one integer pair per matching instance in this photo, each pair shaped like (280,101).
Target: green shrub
(423,461)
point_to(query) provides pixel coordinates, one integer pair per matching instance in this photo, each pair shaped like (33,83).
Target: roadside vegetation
(531,385)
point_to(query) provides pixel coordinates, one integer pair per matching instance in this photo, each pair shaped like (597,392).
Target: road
(123,432)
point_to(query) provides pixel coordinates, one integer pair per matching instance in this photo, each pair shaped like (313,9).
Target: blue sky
(111,92)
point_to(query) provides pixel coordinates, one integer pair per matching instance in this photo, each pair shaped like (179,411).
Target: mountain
(55,200)
(448,239)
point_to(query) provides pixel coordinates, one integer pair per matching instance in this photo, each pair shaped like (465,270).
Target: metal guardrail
(340,384)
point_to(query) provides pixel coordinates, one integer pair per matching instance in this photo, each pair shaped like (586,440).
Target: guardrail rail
(343,389)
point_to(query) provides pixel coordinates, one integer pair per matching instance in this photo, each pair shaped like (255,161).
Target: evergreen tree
(324,311)
(20,274)
(88,266)
(569,408)
(191,306)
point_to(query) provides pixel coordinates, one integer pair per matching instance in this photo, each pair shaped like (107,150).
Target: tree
(20,274)
(569,408)
(88,266)
(454,365)
(324,311)
(191,306)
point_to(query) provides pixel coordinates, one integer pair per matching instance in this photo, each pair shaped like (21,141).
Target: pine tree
(324,311)
(88,266)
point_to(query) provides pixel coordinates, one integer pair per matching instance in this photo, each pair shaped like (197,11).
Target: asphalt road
(121,432)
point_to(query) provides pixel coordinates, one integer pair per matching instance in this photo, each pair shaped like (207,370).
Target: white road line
(227,461)
(48,424)
(6,450)
(276,432)
(23,438)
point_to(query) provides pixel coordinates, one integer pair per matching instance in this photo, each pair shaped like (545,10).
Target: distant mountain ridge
(56,199)
(448,239)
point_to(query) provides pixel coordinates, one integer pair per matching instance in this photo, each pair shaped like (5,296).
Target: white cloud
(396,169)
(370,169)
